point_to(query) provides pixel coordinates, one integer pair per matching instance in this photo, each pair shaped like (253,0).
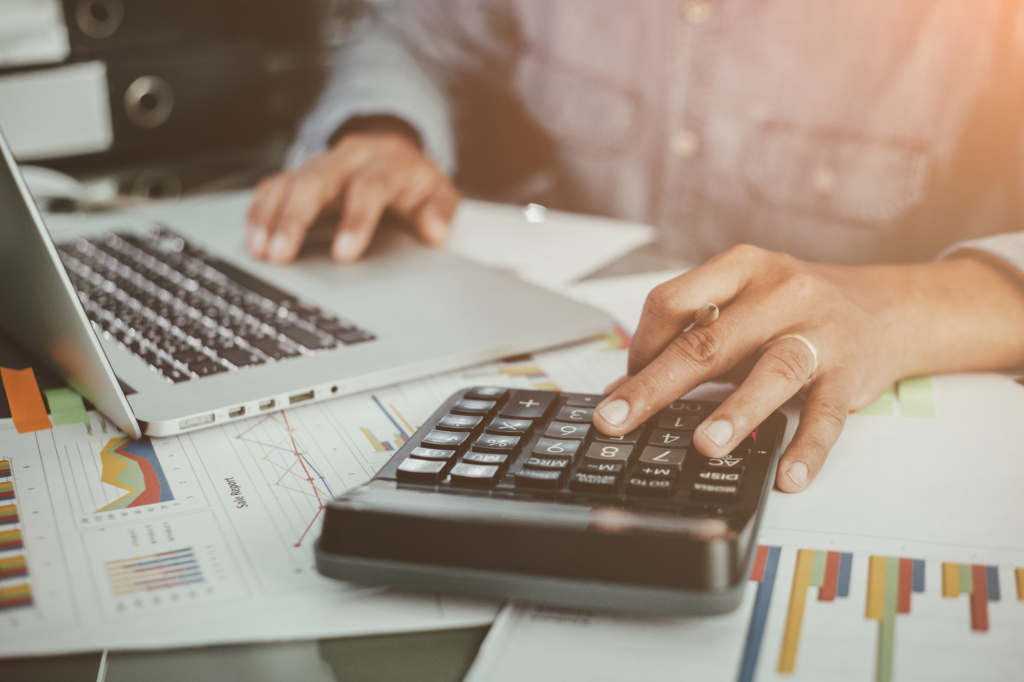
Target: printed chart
(15,589)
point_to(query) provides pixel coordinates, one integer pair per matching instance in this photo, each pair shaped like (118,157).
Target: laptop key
(205,369)
(356,336)
(306,338)
(240,357)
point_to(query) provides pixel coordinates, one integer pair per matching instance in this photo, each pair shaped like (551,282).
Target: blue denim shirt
(846,131)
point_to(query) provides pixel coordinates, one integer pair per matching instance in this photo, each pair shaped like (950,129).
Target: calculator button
(653,472)
(480,407)
(584,400)
(459,422)
(711,491)
(491,442)
(420,470)
(676,420)
(527,404)
(672,439)
(452,440)
(431,453)
(602,468)
(563,430)
(663,457)
(648,486)
(631,437)
(474,474)
(486,393)
(514,427)
(727,462)
(576,414)
(490,458)
(723,477)
(685,407)
(562,449)
(593,483)
(539,478)
(609,452)
(548,463)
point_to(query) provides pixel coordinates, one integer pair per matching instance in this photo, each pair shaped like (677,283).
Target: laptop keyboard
(190,315)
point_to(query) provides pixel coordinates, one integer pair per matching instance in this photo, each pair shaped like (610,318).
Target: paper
(621,297)
(913,510)
(57,112)
(24,399)
(207,538)
(563,248)
(32,32)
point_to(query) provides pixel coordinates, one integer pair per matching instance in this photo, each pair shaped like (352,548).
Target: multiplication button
(511,427)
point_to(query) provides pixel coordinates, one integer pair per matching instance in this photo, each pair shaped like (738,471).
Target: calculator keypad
(533,441)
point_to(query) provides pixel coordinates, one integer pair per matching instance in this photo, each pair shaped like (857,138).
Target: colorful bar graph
(891,581)
(6,491)
(154,572)
(5,469)
(9,514)
(766,563)
(25,400)
(830,573)
(980,582)
(11,539)
(13,567)
(19,596)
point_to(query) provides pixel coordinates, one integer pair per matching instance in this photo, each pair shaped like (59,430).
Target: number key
(663,457)
(561,430)
(608,452)
(672,439)
(676,420)
(550,447)
(631,437)
(576,414)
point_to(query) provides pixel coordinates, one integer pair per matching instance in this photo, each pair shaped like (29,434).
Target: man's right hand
(363,175)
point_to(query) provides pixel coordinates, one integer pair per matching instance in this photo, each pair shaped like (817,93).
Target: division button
(663,457)
(459,422)
(602,468)
(672,439)
(539,478)
(421,470)
(648,486)
(431,453)
(547,463)
(678,421)
(593,483)
(551,447)
(609,452)
(709,491)
(726,477)
(474,474)
(576,414)
(474,407)
(631,437)
(563,430)
(580,400)
(491,442)
(514,427)
(445,439)
(489,458)
(527,404)
(486,393)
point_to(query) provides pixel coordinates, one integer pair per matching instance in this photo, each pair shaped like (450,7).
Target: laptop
(167,328)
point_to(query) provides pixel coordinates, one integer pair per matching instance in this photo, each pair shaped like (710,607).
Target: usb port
(236,412)
(268,404)
(299,397)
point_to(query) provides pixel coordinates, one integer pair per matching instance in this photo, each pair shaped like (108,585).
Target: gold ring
(814,351)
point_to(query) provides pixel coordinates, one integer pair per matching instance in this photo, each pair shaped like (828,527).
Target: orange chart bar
(1020,583)
(25,400)
(980,582)
(797,601)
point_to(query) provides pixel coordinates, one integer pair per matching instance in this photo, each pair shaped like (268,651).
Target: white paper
(244,516)
(32,32)
(939,490)
(57,112)
(562,249)
(621,297)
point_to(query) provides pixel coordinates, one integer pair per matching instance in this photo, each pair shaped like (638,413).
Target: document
(904,561)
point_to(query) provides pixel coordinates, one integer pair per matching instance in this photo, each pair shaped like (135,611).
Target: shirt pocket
(841,175)
(583,110)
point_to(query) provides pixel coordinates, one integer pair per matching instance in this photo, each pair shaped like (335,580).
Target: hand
(363,175)
(870,326)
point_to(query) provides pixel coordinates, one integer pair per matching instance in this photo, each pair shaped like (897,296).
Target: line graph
(403,429)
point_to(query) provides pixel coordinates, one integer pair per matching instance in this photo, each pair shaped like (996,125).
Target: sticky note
(26,401)
(66,406)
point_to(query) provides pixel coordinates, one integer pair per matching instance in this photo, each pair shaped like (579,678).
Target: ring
(814,351)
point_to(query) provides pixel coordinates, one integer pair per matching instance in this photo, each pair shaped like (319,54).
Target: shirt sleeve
(1006,250)
(408,59)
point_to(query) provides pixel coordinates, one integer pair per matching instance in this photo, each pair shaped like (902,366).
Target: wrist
(376,124)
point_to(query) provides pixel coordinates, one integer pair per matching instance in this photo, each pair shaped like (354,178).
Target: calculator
(515,494)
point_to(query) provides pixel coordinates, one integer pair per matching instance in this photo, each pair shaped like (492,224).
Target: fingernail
(257,238)
(279,248)
(615,412)
(720,432)
(345,247)
(797,473)
(437,230)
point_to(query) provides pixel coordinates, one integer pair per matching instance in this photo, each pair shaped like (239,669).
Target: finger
(670,307)
(365,202)
(266,204)
(433,220)
(821,422)
(776,377)
(418,200)
(311,192)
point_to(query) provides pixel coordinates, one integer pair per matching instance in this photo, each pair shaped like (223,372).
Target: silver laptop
(167,328)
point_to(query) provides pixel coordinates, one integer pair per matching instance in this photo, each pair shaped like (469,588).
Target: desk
(441,656)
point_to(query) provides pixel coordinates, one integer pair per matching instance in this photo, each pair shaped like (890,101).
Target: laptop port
(233,414)
(268,404)
(195,421)
(299,397)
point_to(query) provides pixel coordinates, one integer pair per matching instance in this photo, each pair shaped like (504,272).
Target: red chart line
(295,449)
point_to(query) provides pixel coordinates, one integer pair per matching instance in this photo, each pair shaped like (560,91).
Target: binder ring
(148,101)
(99,19)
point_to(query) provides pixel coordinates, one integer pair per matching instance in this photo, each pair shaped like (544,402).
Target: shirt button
(685,144)
(696,11)
(824,181)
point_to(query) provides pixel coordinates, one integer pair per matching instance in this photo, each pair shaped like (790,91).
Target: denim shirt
(844,131)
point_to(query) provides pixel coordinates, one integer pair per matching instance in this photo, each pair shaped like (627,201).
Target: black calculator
(515,494)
